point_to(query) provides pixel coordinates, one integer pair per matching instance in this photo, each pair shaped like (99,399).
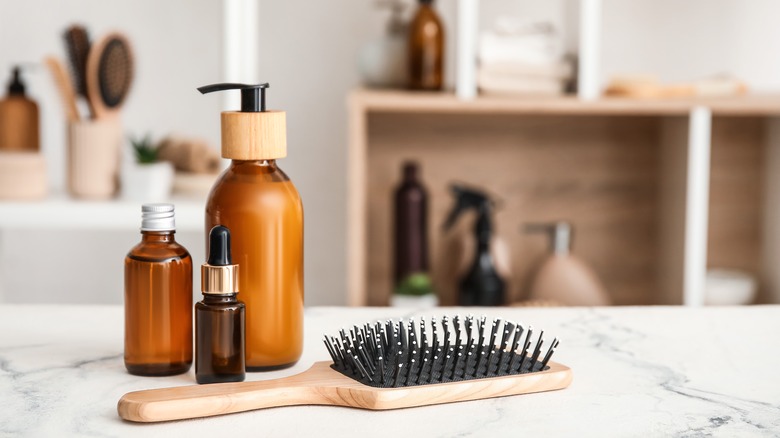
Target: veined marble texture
(638,372)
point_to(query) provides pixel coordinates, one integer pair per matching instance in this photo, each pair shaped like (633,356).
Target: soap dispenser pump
(562,277)
(482,285)
(263,210)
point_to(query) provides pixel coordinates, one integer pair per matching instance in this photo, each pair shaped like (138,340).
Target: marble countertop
(638,371)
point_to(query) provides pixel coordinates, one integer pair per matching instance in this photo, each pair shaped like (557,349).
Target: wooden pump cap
(254,135)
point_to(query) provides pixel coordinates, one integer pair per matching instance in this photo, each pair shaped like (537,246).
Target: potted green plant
(146,179)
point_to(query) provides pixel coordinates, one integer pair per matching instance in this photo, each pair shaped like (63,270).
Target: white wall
(308,53)
(178,47)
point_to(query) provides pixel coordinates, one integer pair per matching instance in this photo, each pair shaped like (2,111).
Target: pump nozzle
(560,232)
(16,86)
(466,198)
(252,96)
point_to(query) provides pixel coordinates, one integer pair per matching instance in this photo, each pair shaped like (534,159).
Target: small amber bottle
(426,49)
(158,298)
(220,317)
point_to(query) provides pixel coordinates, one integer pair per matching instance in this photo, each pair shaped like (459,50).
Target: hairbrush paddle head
(399,354)
(109,73)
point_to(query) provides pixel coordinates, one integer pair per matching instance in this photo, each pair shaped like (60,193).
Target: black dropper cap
(252,96)
(16,86)
(219,247)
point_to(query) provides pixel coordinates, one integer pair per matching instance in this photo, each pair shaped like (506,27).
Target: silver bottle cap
(157,217)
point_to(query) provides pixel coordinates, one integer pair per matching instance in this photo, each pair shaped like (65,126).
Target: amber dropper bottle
(158,298)
(220,317)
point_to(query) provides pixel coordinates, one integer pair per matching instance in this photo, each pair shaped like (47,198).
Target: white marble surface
(644,372)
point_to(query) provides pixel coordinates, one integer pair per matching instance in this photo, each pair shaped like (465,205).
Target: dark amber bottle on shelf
(426,49)
(220,317)
(158,298)
(262,209)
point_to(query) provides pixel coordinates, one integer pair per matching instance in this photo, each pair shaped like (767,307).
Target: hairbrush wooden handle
(321,385)
(67,93)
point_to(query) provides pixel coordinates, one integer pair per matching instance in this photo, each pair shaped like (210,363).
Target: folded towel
(520,42)
(501,84)
(560,70)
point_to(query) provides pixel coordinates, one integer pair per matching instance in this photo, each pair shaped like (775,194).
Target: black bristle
(481,329)
(469,328)
(446,364)
(398,354)
(509,328)
(402,335)
(456,326)
(397,376)
(537,350)
(550,352)
(380,361)
(513,349)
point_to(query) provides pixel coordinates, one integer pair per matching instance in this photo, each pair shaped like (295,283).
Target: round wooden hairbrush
(109,74)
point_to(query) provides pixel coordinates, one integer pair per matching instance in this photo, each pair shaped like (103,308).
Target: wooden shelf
(659,190)
(445,102)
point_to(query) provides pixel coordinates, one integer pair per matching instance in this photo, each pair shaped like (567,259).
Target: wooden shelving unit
(658,190)
(381,101)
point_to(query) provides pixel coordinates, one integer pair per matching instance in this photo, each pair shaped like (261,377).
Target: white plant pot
(147,182)
(414,301)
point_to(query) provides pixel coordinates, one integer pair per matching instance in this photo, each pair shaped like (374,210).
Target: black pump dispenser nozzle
(252,96)
(219,247)
(16,86)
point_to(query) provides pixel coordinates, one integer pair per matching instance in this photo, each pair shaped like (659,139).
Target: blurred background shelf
(405,101)
(61,212)
(658,190)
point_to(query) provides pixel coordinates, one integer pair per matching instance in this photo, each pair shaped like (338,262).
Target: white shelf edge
(65,213)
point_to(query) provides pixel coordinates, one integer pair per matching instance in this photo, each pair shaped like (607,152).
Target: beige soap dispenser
(562,277)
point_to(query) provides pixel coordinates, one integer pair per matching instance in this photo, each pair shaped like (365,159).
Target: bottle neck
(265,163)
(220,298)
(157,236)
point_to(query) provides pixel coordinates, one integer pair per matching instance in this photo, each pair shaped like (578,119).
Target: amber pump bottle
(426,49)
(262,209)
(18,118)
(219,318)
(158,298)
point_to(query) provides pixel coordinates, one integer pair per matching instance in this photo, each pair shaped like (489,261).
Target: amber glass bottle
(262,209)
(219,318)
(18,118)
(426,49)
(158,298)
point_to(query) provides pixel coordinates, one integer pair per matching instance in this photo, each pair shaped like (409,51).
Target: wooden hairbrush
(109,74)
(381,366)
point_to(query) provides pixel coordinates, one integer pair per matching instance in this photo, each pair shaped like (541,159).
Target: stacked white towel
(522,58)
